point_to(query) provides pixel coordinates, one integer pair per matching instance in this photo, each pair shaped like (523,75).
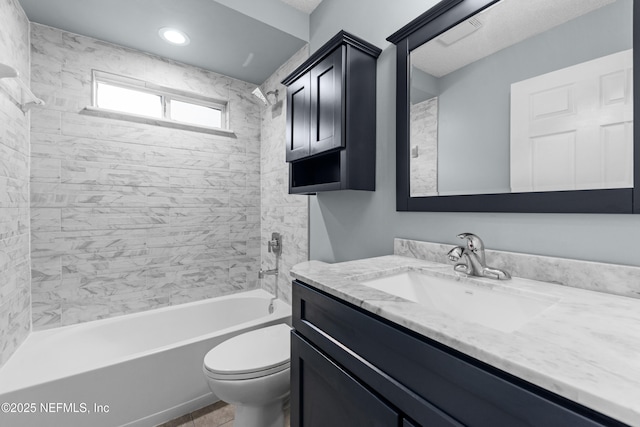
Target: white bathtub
(135,370)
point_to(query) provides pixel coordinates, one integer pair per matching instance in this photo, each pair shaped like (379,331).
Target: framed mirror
(512,106)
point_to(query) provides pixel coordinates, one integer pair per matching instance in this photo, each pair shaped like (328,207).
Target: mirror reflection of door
(502,79)
(572,129)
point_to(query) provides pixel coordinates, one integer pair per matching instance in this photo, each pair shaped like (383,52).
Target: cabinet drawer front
(323,394)
(466,389)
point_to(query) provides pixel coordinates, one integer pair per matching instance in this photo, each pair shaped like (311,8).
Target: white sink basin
(495,308)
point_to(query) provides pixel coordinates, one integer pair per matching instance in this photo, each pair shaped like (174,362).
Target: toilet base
(266,415)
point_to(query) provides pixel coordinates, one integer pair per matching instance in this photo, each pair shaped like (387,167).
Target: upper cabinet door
(326,103)
(298,106)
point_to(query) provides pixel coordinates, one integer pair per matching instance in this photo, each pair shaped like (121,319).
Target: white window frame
(166,96)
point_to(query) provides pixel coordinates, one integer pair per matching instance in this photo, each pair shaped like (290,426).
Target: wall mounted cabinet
(331,116)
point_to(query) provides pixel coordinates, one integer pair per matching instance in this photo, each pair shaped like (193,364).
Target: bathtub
(136,370)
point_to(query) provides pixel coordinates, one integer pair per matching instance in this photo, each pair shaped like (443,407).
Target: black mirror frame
(435,21)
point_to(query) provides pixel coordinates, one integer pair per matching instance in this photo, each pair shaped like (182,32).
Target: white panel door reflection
(572,129)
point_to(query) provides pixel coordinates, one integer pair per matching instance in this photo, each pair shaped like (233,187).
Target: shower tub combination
(136,370)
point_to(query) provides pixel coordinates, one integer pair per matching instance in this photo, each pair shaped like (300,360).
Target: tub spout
(272,272)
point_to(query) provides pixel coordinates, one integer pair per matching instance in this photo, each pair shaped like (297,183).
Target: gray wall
(350,225)
(127,216)
(15,298)
(423,86)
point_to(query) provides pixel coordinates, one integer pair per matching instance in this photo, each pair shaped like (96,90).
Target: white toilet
(251,371)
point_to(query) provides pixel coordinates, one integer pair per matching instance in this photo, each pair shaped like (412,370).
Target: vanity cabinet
(331,112)
(351,368)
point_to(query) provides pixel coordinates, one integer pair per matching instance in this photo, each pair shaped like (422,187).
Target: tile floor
(220,414)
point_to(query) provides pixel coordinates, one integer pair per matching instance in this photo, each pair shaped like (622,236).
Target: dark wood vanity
(352,368)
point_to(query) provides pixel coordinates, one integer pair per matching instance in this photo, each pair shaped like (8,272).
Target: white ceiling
(244,39)
(306,6)
(506,23)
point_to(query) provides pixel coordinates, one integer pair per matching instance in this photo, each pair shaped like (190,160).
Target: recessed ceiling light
(173,36)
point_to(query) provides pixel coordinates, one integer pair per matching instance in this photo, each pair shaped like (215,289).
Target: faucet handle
(474,242)
(455,254)
(275,244)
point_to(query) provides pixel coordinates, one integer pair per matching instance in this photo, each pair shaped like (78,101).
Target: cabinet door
(326,103)
(323,394)
(298,117)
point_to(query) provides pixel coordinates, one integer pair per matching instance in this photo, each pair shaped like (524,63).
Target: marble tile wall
(424,139)
(127,216)
(280,212)
(15,299)
(594,276)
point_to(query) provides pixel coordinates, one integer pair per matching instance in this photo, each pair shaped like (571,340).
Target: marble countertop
(585,347)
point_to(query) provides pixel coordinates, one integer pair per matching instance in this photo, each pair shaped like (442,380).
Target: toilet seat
(253,354)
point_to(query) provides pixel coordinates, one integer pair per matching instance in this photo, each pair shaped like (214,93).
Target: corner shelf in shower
(27,98)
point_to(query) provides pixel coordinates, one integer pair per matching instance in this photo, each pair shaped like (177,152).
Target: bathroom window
(127,100)
(132,99)
(187,112)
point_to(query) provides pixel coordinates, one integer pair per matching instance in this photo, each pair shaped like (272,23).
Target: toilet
(251,371)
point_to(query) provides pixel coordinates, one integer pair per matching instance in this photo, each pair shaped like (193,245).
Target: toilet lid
(251,354)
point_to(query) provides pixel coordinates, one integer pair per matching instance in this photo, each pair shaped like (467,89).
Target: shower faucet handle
(275,244)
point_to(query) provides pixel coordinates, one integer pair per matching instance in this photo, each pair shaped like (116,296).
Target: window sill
(110,114)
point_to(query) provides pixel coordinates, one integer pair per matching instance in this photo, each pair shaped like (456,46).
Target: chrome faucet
(274,245)
(272,272)
(473,259)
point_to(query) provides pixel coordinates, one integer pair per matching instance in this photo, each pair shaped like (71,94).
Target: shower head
(258,94)
(265,97)
(7,71)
